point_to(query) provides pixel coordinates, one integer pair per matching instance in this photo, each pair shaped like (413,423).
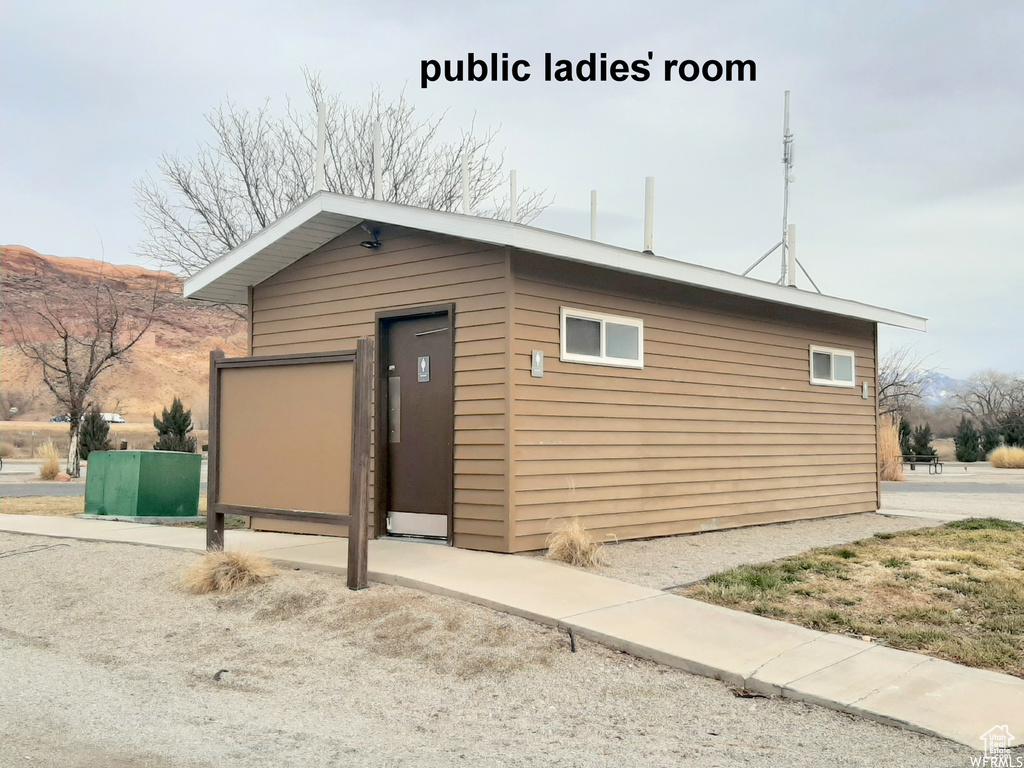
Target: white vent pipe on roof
(378,163)
(465,182)
(649,216)
(513,198)
(593,214)
(319,173)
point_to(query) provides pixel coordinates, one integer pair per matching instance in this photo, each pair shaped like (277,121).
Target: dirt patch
(301,671)
(50,506)
(69,506)
(400,624)
(954,592)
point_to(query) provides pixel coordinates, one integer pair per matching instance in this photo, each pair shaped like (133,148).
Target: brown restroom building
(524,377)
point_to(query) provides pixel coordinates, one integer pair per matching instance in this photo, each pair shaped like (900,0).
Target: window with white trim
(833,367)
(599,339)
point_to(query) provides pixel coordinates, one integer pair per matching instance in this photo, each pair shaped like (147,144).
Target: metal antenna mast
(787,162)
(788,241)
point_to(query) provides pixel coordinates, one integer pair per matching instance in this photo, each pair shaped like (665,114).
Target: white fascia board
(213,281)
(505,233)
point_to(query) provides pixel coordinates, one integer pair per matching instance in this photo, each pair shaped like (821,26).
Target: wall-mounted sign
(537,364)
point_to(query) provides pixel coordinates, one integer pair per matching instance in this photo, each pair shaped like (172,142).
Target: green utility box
(143,484)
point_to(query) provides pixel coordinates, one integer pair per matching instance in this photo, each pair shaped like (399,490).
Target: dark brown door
(417,385)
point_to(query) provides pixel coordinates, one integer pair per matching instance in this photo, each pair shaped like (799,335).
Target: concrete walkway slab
(698,637)
(526,587)
(67,527)
(156,536)
(905,689)
(523,587)
(948,700)
(777,674)
(855,678)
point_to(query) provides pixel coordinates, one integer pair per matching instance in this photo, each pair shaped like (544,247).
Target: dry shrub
(890,458)
(1007,457)
(6,450)
(50,467)
(226,571)
(570,543)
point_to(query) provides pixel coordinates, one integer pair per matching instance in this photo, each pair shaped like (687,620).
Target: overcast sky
(908,117)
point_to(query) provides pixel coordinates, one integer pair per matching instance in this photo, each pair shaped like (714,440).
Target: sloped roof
(326,215)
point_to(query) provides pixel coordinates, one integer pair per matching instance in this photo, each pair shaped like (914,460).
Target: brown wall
(721,427)
(328,299)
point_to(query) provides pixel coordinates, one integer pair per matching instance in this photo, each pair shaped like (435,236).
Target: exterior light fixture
(373,244)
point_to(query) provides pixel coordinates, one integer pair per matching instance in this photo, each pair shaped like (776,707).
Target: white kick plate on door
(417,524)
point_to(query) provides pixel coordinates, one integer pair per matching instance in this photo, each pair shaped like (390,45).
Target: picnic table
(934,465)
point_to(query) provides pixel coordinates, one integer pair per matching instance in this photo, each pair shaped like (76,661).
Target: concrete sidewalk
(772,657)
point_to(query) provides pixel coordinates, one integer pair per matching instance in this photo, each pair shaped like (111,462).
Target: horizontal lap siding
(721,428)
(330,298)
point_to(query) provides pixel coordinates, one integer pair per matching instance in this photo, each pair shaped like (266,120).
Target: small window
(591,337)
(832,367)
(582,336)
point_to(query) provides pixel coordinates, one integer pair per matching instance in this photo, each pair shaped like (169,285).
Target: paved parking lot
(962,490)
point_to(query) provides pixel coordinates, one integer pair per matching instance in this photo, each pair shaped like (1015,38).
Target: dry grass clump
(6,450)
(570,543)
(227,571)
(890,457)
(51,461)
(1007,457)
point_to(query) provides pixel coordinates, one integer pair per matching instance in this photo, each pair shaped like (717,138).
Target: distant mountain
(172,359)
(939,388)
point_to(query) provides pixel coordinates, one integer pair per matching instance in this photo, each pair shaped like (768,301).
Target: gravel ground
(973,490)
(108,662)
(679,560)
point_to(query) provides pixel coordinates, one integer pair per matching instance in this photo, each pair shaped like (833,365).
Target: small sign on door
(423,369)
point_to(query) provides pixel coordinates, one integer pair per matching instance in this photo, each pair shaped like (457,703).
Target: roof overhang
(326,215)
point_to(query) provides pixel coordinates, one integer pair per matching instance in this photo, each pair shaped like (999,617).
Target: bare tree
(991,396)
(902,376)
(259,166)
(76,336)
